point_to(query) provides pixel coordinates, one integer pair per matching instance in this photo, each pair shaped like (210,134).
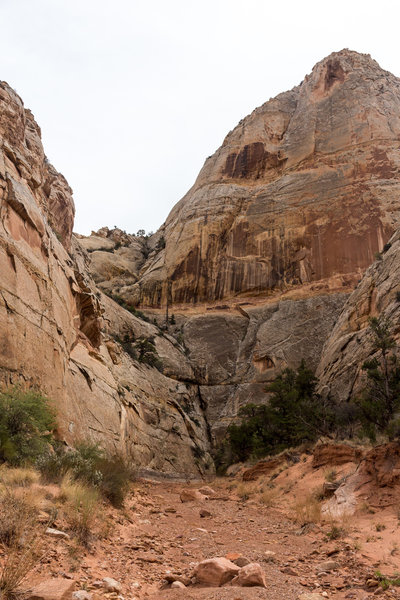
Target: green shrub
(26,424)
(295,414)
(89,464)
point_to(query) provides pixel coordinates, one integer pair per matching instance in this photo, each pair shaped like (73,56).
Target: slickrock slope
(303,191)
(56,332)
(351,341)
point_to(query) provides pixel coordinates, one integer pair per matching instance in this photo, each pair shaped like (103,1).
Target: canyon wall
(59,334)
(257,264)
(302,192)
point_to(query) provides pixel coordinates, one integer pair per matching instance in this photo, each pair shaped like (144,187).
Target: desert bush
(90,465)
(379,401)
(16,515)
(26,424)
(119,300)
(268,497)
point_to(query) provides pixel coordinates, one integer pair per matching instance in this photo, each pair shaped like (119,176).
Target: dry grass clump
(246,489)
(268,497)
(330,475)
(308,510)
(19,476)
(18,512)
(259,490)
(81,507)
(20,537)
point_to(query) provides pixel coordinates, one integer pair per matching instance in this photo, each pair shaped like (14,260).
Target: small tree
(380,399)
(294,414)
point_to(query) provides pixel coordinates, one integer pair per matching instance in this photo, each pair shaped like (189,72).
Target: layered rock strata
(303,191)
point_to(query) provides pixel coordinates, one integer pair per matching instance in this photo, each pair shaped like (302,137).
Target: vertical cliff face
(302,192)
(58,333)
(351,341)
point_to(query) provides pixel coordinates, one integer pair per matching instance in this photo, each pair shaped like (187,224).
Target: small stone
(82,595)
(328,565)
(242,561)
(232,556)
(178,584)
(289,571)
(205,513)
(111,585)
(56,533)
(311,596)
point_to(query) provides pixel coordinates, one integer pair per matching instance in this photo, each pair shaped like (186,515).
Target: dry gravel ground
(156,534)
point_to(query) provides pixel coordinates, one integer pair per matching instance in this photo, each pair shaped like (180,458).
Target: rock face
(351,341)
(302,192)
(259,257)
(57,332)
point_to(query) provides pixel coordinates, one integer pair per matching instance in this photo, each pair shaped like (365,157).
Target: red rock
(264,467)
(251,575)
(232,556)
(335,454)
(214,572)
(52,589)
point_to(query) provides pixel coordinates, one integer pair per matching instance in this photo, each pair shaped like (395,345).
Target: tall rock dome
(303,192)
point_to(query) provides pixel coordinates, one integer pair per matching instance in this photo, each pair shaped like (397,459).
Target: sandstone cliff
(58,333)
(255,262)
(258,259)
(351,342)
(303,191)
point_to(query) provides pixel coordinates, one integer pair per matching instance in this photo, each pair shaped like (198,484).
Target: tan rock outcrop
(303,191)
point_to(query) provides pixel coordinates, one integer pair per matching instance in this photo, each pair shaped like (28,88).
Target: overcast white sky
(133,96)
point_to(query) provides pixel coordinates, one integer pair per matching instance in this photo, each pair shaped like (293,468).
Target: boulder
(214,572)
(251,575)
(111,585)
